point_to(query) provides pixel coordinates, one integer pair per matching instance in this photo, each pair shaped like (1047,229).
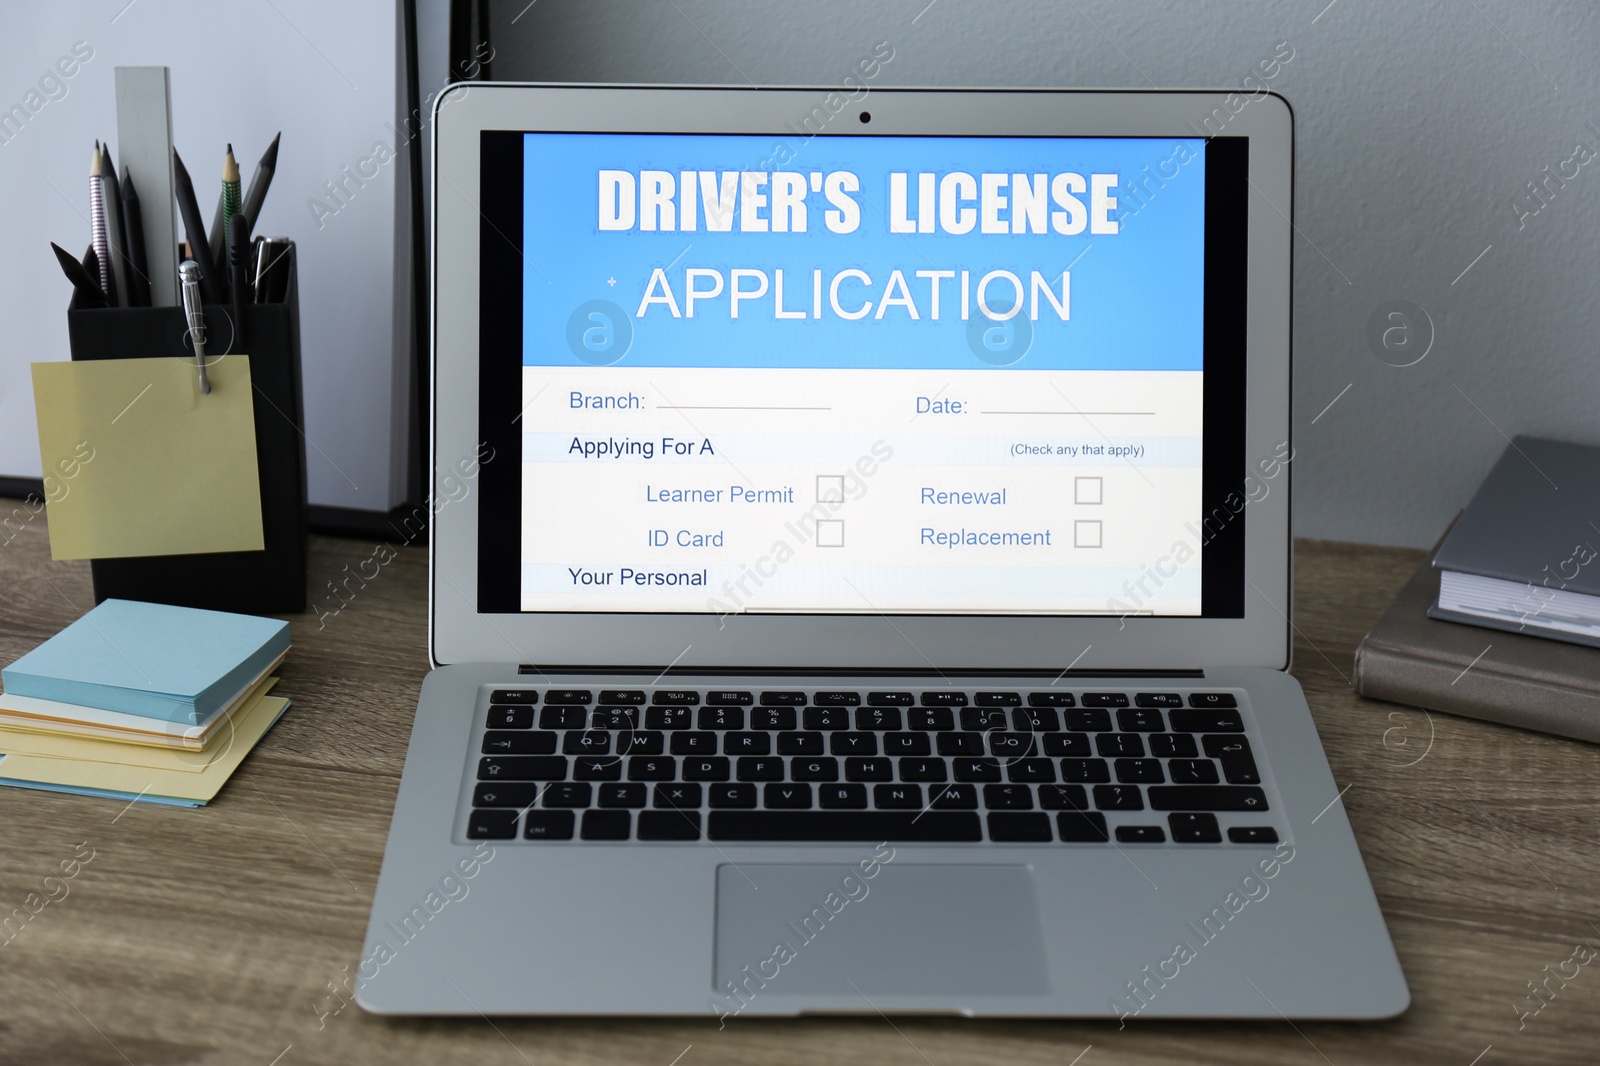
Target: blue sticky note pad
(178,664)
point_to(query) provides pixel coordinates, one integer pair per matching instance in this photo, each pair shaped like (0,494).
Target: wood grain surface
(211,936)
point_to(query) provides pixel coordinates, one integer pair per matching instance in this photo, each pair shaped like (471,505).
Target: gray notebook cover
(1535,518)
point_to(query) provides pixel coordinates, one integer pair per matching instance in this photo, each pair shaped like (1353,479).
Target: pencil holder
(270,581)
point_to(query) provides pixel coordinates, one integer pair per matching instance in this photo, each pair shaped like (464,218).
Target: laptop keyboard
(820,765)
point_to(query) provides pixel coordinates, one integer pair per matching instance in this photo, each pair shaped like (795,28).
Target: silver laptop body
(861,568)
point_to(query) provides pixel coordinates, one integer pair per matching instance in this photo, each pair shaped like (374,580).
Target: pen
(87,289)
(238,272)
(272,269)
(189,273)
(261,180)
(97,226)
(111,193)
(133,243)
(210,284)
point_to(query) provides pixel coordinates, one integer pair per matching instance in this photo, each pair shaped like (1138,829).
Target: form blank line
(694,407)
(1097,414)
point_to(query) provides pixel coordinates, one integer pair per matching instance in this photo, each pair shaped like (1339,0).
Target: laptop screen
(863,374)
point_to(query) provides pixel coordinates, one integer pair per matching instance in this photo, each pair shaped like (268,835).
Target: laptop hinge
(769,671)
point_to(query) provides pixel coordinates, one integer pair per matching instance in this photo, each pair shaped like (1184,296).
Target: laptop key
(960,744)
(747,743)
(984,719)
(563,718)
(733,795)
(1253,834)
(842,797)
(1063,798)
(1141,834)
(1006,828)
(1212,699)
(510,718)
(911,827)
(1070,745)
(931,719)
(669,825)
(522,768)
(1087,771)
(997,699)
(1030,771)
(1139,771)
(568,794)
(641,742)
(615,718)
(1218,721)
(836,699)
(890,699)
(1173,746)
(587,742)
(722,718)
(1157,699)
(652,768)
(787,796)
(1233,752)
(853,743)
(674,697)
(517,742)
(896,797)
(668,718)
(1192,771)
(799,743)
(868,770)
(706,768)
(1119,745)
(825,769)
(506,795)
(753,769)
(1011,745)
(772,718)
(783,699)
(977,770)
(678,794)
(944,699)
(606,825)
(571,696)
(826,718)
(1207,798)
(629,795)
(1140,720)
(1105,699)
(513,695)
(1036,719)
(953,797)
(730,697)
(1052,699)
(1118,798)
(907,744)
(1088,721)
(694,743)
(1194,828)
(916,769)
(547,825)
(630,696)
(878,718)
(1087,827)
(597,768)
(1008,797)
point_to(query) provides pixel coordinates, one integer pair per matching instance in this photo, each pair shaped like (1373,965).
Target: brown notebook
(1524,681)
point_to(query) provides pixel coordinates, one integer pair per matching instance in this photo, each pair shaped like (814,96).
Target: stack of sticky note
(141,701)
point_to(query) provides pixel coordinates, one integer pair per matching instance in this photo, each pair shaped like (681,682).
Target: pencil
(230,200)
(97,226)
(111,194)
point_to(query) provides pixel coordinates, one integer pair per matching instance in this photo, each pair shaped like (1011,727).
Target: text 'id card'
(156,468)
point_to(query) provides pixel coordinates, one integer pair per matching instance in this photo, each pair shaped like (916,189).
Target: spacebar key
(908,826)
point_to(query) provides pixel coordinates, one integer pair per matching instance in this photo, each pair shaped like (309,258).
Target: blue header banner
(670,250)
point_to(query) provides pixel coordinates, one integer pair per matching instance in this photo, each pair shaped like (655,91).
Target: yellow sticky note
(202,785)
(138,462)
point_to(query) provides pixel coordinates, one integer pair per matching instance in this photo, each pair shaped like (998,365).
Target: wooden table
(211,936)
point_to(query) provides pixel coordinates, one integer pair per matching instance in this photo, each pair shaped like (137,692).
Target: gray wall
(1419,125)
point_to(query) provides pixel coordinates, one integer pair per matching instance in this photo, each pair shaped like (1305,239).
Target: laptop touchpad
(907,929)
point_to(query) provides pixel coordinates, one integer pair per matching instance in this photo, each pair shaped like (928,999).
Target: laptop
(860,571)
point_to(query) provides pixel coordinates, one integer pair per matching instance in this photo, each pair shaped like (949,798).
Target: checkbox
(1087,490)
(830,533)
(830,488)
(1086,533)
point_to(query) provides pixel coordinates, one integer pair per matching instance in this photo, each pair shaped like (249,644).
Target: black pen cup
(270,581)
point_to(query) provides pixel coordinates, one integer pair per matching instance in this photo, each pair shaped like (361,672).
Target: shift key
(1206,798)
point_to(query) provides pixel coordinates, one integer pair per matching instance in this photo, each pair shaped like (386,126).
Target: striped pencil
(230,194)
(97,224)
